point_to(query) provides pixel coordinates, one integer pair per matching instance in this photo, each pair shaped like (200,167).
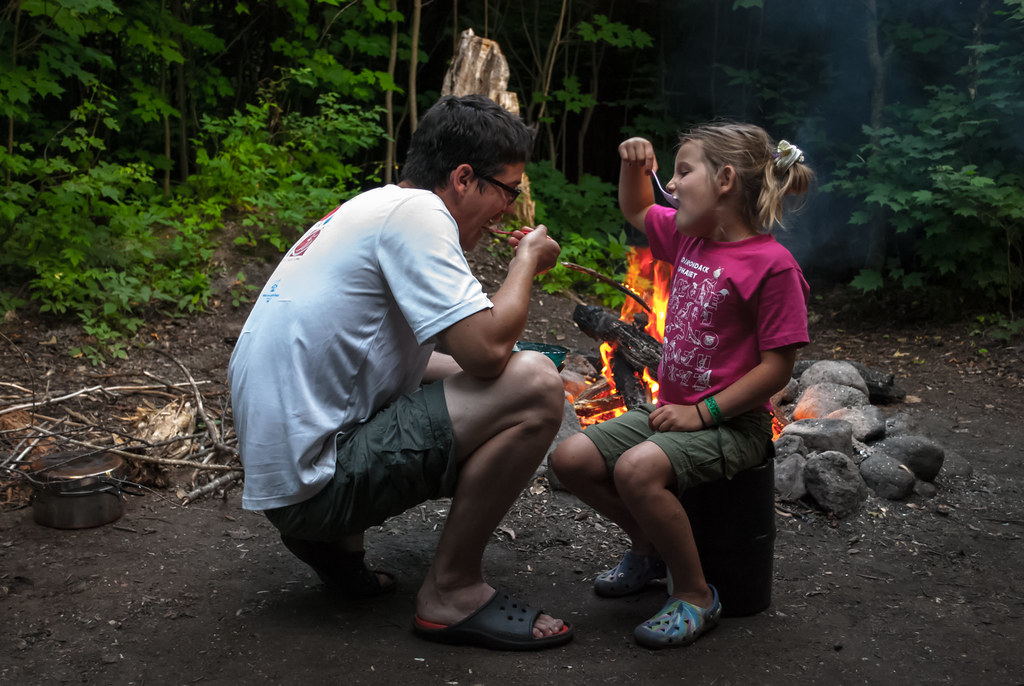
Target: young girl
(736,315)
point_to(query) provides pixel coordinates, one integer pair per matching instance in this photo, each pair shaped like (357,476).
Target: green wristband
(712,405)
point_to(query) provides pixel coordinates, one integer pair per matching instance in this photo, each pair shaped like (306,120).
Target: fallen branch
(111,390)
(211,427)
(147,458)
(206,489)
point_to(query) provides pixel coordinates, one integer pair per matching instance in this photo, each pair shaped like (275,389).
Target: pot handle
(120,487)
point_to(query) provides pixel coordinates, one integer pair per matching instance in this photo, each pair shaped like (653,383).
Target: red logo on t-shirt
(304,244)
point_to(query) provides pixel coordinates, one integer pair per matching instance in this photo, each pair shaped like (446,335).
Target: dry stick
(147,458)
(210,426)
(113,390)
(50,401)
(15,386)
(219,482)
(15,456)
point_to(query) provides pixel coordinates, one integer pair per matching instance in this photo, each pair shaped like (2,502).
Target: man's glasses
(514,193)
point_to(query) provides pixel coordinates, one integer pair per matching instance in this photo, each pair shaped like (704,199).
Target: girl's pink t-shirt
(728,302)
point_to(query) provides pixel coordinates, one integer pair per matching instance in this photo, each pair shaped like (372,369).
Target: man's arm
(440,366)
(481,343)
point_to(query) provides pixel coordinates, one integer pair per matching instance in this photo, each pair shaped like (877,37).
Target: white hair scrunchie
(786,155)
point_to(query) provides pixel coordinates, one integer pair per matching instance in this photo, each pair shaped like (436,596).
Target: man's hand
(538,245)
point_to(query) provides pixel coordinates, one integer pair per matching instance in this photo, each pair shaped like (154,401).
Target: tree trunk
(876,228)
(548,71)
(14,63)
(389,108)
(414,60)
(181,97)
(976,37)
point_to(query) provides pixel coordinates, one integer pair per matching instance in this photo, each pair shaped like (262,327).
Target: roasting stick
(611,282)
(509,233)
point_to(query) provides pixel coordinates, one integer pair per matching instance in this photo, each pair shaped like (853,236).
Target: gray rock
(835,483)
(923,456)
(821,435)
(925,489)
(861,451)
(868,422)
(789,477)
(822,399)
(830,371)
(887,477)
(956,465)
(900,423)
(789,444)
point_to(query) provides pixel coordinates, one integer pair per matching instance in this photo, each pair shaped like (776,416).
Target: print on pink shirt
(691,337)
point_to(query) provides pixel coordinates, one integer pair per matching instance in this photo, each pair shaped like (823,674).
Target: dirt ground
(925,591)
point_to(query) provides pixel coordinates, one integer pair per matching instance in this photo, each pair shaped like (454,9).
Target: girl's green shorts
(697,456)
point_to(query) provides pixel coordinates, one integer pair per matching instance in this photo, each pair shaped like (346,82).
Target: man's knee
(535,377)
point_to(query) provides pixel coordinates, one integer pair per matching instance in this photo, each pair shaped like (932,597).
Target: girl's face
(695,187)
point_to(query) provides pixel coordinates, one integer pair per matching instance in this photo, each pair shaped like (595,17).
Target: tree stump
(480,68)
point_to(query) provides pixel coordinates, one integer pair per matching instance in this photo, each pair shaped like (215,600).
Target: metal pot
(78,491)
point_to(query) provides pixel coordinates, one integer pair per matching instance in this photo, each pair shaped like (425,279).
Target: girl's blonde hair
(751,152)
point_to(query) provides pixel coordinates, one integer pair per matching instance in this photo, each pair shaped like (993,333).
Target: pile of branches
(169,433)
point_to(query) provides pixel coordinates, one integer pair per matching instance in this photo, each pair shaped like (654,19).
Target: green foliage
(85,229)
(240,291)
(998,327)
(277,181)
(618,35)
(947,185)
(585,220)
(80,234)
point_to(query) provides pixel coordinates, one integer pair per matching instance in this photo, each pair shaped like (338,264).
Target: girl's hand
(638,151)
(675,418)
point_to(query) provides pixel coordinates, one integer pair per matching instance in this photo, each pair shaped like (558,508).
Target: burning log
(637,347)
(634,350)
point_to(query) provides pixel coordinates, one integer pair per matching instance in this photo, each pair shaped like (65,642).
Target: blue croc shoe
(631,575)
(678,624)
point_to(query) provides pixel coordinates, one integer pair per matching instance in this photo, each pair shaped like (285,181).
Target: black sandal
(342,571)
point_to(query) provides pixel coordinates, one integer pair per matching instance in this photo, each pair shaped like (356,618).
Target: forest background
(140,137)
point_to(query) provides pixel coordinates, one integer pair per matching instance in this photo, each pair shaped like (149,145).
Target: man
(346,415)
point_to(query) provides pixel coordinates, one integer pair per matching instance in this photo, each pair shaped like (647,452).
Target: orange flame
(650,279)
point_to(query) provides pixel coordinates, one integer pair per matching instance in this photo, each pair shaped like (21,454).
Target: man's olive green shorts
(697,456)
(403,456)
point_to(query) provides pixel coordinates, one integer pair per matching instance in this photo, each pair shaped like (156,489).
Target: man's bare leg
(503,427)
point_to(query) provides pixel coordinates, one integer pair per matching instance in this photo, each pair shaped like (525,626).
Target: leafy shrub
(586,221)
(279,178)
(949,189)
(85,239)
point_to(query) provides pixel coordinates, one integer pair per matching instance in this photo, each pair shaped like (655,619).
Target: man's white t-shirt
(343,327)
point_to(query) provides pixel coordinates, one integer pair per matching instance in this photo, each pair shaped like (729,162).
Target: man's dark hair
(471,130)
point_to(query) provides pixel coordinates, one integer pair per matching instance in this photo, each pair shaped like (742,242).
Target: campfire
(631,343)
